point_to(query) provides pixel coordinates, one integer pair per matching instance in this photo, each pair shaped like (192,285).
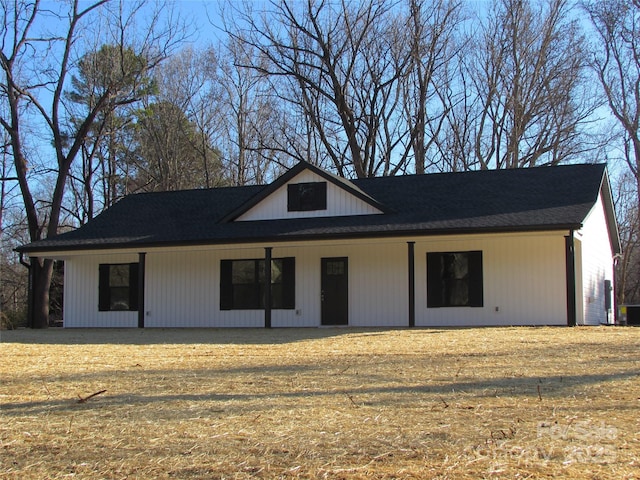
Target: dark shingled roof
(544,198)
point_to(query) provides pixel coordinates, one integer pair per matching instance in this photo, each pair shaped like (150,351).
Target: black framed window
(242,284)
(305,197)
(454,279)
(118,287)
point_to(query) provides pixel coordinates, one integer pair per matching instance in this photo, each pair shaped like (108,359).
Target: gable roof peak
(293,172)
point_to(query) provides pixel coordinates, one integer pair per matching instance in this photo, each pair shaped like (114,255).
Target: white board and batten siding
(524,284)
(523,281)
(182,288)
(81,293)
(340,202)
(594,265)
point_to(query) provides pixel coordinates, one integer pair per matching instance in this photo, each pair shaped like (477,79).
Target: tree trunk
(42,271)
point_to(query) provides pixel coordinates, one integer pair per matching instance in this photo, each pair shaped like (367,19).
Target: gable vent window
(306,197)
(454,279)
(118,287)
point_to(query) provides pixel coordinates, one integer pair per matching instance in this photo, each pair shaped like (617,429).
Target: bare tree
(616,62)
(434,39)
(169,151)
(338,59)
(628,264)
(121,70)
(186,90)
(13,281)
(248,113)
(529,79)
(36,65)
(454,144)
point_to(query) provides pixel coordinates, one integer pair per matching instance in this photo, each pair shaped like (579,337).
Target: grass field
(320,403)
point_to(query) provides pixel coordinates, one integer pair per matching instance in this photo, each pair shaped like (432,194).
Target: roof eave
(612,224)
(36,252)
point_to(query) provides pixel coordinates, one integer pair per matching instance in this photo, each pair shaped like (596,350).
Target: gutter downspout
(571,278)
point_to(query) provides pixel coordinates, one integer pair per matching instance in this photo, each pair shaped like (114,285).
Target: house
(505,247)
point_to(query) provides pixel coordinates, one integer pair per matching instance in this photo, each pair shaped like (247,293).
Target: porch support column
(571,279)
(141,276)
(412,283)
(267,286)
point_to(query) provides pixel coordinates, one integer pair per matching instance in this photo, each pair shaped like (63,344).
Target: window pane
(242,287)
(308,193)
(456,265)
(246,296)
(455,279)
(303,197)
(119,276)
(276,271)
(243,272)
(276,296)
(119,298)
(335,268)
(457,294)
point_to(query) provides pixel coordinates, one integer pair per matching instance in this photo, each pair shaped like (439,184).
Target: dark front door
(335,291)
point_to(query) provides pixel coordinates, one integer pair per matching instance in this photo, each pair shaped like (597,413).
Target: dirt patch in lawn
(320,403)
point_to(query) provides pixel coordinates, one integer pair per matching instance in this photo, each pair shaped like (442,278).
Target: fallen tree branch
(85,399)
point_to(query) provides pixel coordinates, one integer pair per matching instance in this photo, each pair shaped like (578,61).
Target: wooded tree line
(104,99)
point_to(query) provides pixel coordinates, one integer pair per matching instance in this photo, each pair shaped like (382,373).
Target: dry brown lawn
(320,403)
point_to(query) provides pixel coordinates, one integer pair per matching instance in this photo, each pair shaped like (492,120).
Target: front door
(335,291)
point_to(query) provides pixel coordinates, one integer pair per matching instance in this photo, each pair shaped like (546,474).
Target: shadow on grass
(216,400)
(188,336)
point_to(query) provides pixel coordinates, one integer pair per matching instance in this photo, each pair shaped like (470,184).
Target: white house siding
(580,301)
(377,282)
(596,265)
(81,294)
(524,281)
(339,203)
(183,288)
(179,289)
(524,277)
